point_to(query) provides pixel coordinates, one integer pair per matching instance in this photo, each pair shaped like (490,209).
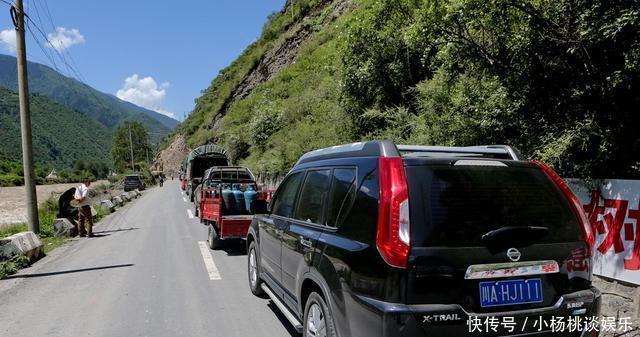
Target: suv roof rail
(494,151)
(386,148)
(375,148)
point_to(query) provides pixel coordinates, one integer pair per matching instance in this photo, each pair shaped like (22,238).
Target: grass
(13,265)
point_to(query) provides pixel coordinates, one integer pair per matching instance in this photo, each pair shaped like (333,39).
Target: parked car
(134,181)
(373,239)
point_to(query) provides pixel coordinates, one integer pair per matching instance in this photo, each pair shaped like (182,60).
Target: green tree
(129,134)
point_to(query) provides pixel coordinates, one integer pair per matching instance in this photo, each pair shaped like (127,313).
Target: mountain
(559,80)
(60,135)
(104,108)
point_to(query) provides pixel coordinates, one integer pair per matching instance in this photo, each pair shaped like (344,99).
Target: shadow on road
(97,236)
(117,230)
(233,248)
(69,271)
(287,325)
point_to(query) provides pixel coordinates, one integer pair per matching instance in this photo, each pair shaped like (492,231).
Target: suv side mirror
(259,207)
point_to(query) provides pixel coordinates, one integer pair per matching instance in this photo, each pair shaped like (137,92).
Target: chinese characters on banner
(613,209)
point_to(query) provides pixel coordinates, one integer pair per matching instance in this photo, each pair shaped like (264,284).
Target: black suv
(132,182)
(373,239)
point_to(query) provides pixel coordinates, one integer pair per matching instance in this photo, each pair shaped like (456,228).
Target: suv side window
(283,202)
(313,196)
(342,196)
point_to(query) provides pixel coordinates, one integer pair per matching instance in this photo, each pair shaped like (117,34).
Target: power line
(56,51)
(43,49)
(72,69)
(53,27)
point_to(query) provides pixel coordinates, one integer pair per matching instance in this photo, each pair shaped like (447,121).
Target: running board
(285,311)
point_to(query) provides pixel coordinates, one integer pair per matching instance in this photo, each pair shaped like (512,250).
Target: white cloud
(64,38)
(145,92)
(8,39)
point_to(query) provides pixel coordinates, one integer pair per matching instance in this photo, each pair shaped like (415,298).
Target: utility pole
(131,146)
(292,10)
(17,14)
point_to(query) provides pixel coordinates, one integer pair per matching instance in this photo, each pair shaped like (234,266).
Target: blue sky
(159,54)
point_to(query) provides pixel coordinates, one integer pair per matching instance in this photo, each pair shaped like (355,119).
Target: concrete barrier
(124,197)
(116,200)
(64,227)
(132,195)
(107,205)
(26,243)
(137,193)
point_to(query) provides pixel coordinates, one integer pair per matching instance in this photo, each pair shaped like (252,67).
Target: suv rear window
(312,197)
(454,206)
(282,203)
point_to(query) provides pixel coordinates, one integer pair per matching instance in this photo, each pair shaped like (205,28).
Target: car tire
(318,320)
(213,238)
(253,270)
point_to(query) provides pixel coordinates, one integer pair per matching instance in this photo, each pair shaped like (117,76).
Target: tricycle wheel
(214,239)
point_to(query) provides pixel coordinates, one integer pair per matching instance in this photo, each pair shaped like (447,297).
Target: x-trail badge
(513,254)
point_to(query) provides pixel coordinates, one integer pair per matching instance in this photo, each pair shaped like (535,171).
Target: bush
(11,266)
(11,180)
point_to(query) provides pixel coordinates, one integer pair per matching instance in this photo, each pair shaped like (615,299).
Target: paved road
(145,275)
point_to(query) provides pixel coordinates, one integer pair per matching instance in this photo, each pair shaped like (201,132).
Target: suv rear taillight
(576,205)
(393,236)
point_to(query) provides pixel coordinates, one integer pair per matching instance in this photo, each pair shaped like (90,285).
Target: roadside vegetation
(556,79)
(130,136)
(47,212)
(11,173)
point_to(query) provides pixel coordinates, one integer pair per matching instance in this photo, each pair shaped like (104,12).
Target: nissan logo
(513,254)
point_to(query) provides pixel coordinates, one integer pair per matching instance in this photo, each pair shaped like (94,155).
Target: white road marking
(190,214)
(214,274)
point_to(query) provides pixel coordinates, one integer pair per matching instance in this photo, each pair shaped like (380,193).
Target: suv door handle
(305,242)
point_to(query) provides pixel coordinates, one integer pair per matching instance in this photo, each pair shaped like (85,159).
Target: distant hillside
(106,109)
(60,135)
(559,80)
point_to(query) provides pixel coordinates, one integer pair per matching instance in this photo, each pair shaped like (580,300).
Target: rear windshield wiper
(513,236)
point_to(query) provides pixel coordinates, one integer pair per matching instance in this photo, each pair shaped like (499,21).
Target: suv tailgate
(453,206)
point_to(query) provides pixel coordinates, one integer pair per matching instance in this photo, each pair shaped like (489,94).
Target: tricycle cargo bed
(235,226)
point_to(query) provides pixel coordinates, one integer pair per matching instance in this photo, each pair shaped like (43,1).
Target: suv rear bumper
(399,320)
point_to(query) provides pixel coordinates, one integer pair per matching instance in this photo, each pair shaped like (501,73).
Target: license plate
(510,292)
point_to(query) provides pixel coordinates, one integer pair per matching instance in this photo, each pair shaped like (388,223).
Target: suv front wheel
(253,270)
(318,321)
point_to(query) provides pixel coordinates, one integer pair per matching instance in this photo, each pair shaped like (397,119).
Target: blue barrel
(239,196)
(228,198)
(250,195)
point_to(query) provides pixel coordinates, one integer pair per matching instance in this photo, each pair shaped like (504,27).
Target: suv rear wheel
(253,270)
(318,321)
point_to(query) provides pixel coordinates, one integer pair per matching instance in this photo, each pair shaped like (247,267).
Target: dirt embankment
(274,60)
(170,159)
(283,54)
